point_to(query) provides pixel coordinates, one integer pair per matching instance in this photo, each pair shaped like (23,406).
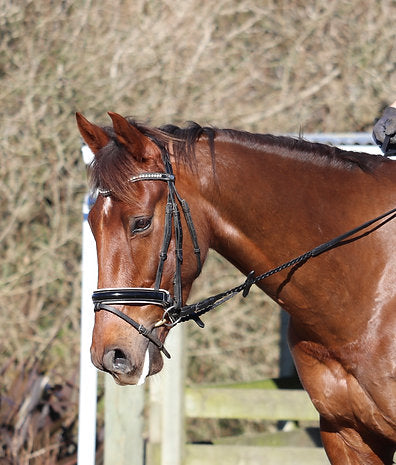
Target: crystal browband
(166,177)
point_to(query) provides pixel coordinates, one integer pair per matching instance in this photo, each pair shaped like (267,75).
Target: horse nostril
(118,353)
(116,361)
(120,361)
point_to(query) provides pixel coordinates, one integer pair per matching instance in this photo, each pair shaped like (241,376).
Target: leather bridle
(102,298)
(174,312)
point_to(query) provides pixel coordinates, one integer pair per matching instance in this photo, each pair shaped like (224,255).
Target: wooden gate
(171,403)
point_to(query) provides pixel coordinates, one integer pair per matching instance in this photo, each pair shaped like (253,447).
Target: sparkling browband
(152,176)
(143,177)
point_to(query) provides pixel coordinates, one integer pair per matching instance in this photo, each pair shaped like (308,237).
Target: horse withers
(167,195)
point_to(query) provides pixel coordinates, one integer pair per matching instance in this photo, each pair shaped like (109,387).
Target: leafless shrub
(37,418)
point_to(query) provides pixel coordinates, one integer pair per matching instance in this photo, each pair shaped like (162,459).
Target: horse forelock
(113,165)
(111,168)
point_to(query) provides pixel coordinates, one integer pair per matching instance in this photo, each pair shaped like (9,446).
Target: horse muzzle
(104,299)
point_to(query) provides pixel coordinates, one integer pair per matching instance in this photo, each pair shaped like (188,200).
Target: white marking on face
(145,369)
(107,206)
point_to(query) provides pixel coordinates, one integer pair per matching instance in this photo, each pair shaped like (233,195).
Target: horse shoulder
(342,395)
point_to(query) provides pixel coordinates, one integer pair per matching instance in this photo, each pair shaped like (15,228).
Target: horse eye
(139,225)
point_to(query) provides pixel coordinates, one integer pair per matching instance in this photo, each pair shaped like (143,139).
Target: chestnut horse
(258,200)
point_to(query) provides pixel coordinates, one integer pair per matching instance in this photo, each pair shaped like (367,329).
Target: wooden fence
(147,426)
(171,403)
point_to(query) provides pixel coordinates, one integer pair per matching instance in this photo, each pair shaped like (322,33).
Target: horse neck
(257,203)
(264,209)
(259,209)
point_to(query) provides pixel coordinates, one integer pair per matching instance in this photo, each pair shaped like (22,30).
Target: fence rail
(253,455)
(249,404)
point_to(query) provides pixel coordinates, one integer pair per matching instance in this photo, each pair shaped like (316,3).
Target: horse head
(137,226)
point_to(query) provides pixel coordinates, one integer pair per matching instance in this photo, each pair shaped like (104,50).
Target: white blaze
(107,205)
(145,369)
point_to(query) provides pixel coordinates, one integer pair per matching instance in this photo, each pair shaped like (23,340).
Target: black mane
(298,147)
(293,146)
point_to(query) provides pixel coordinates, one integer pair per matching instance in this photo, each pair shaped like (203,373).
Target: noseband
(174,312)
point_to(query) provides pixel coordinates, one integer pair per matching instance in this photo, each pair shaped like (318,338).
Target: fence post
(173,437)
(124,444)
(88,375)
(286,364)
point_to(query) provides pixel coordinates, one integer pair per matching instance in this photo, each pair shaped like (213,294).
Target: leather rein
(174,311)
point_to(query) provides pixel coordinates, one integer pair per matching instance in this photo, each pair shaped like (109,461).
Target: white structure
(88,373)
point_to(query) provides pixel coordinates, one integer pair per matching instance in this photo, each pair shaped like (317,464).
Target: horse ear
(93,135)
(137,144)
